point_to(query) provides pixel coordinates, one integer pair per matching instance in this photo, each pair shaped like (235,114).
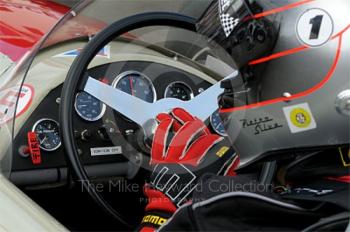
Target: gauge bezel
(58,126)
(103,111)
(212,126)
(182,83)
(126,73)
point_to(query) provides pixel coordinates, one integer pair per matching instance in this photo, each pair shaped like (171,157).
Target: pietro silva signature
(261,124)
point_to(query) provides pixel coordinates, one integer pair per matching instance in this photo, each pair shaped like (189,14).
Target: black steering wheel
(76,80)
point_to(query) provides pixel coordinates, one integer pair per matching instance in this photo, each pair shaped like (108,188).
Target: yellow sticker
(222,151)
(300,118)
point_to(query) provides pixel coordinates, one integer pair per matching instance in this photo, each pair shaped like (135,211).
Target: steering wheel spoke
(139,111)
(132,107)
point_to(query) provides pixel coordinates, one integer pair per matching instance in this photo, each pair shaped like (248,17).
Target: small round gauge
(217,124)
(178,90)
(136,84)
(88,107)
(47,132)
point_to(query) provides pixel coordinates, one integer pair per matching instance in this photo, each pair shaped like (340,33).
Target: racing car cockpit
(114,82)
(150,66)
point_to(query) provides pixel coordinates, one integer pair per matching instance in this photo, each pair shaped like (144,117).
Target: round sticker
(8,100)
(315,27)
(300,118)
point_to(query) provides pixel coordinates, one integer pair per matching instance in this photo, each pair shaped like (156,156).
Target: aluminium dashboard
(111,130)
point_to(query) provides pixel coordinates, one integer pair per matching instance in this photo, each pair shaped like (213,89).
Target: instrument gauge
(88,107)
(217,124)
(179,90)
(47,132)
(136,84)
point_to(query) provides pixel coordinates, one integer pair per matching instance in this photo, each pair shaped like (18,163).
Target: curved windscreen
(152,64)
(15,98)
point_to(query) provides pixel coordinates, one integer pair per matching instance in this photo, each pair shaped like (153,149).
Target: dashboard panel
(104,136)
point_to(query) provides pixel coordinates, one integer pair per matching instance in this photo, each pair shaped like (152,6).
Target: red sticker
(34,148)
(8,100)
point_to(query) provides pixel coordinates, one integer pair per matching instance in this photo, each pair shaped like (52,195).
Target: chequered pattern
(228,23)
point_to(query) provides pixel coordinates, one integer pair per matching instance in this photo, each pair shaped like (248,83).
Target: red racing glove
(183,150)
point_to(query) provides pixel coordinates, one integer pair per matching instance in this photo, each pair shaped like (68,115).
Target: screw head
(347,104)
(342,102)
(287,95)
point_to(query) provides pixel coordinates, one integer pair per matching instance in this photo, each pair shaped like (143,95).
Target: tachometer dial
(136,84)
(217,124)
(47,131)
(88,107)
(179,90)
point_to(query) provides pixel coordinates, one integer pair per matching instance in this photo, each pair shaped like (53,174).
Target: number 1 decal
(314,27)
(316,23)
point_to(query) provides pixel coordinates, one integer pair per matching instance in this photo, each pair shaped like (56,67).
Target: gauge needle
(131,86)
(218,126)
(43,140)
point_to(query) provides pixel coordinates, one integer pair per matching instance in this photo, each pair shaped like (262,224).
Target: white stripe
(189,192)
(181,157)
(166,138)
(189,183)
(177,134)
(189,141)
(155,168)
(171,186)
(229,167)
(215,142)
(179,119)
(161,172)
(245,194)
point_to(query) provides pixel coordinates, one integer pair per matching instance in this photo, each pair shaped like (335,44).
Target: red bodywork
(24,22)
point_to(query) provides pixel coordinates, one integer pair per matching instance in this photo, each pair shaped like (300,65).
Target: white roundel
(315,27)
(8,101)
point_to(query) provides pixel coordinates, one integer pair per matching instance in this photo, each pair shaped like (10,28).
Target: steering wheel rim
(75,78)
